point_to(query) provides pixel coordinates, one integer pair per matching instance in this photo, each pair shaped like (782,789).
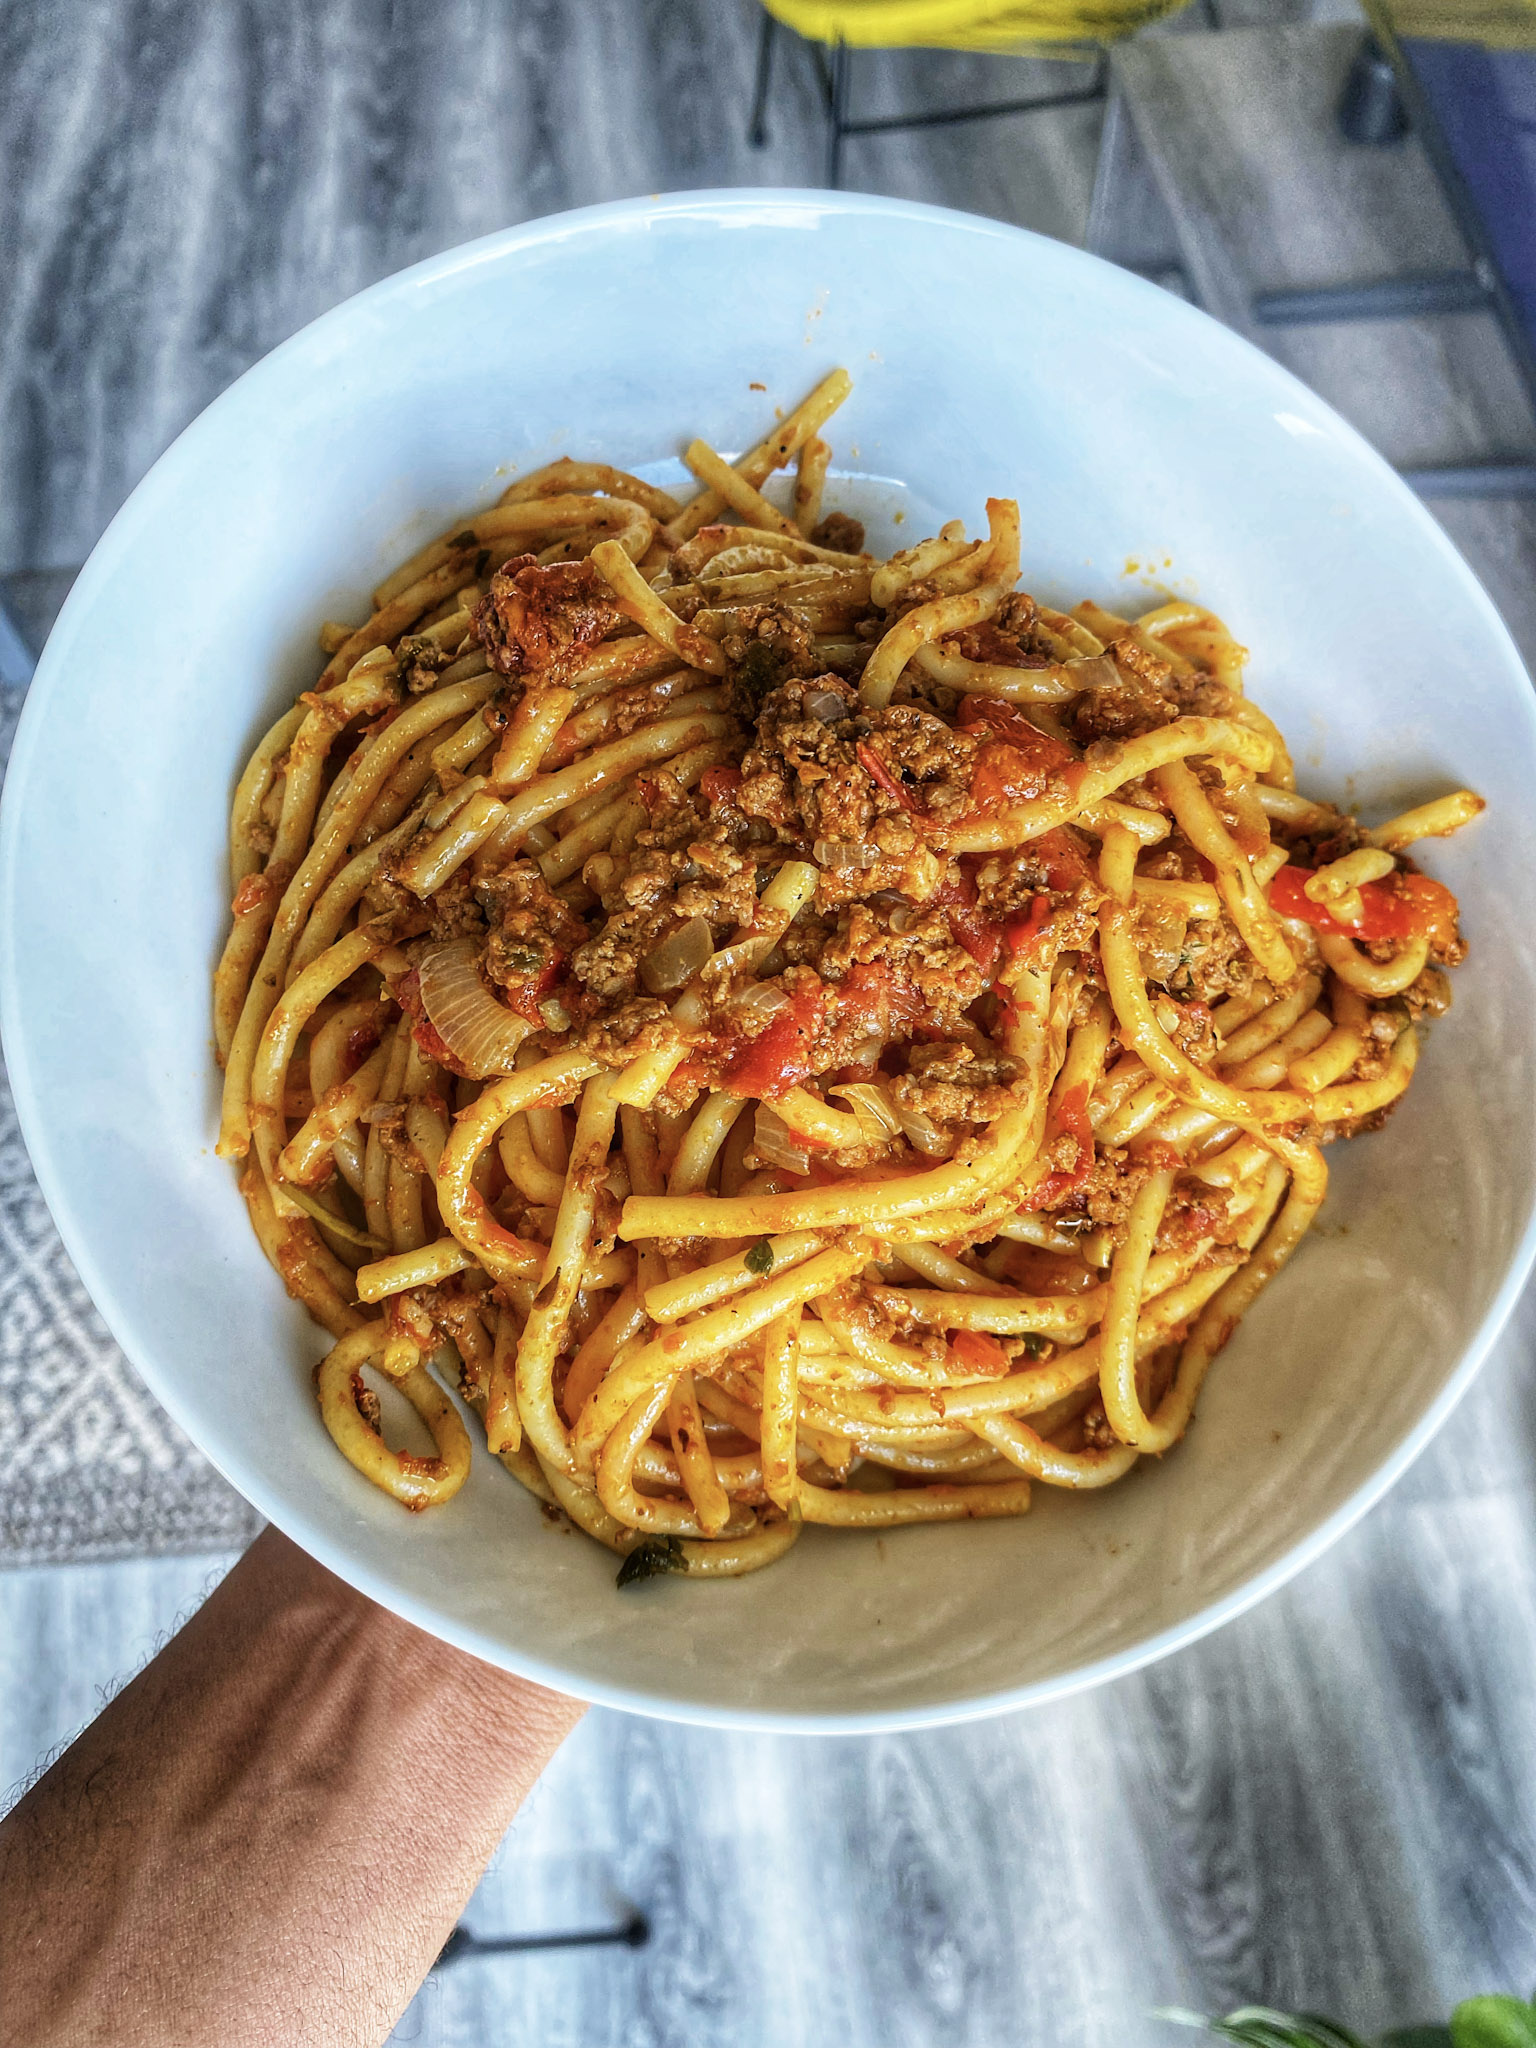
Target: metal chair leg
(838,111)
(757,127)
(1371,109)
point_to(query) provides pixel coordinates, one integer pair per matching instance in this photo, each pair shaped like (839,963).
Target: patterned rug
(92,1466)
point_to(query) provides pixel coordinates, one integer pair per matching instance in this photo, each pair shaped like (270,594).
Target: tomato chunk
(1020,933)
(1070,1120)
(874,999)
(1016,766)
(1409,907)
(981,938)
(780,1058)
(974,1352)
(719,784)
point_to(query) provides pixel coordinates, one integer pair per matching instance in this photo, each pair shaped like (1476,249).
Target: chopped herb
(758,670)
(482,563)
(760,1258)
(1035,1346)
(467,539)
(655,1554)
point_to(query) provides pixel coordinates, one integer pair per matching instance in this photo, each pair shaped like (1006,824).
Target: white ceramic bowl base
(985,361)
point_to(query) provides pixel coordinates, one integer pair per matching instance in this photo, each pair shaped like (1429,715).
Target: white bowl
(1132,429)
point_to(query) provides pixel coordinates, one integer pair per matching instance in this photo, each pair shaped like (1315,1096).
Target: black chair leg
(1371,109)
(757,128)
(838,111)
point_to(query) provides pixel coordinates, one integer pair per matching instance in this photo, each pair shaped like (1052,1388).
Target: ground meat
(1429,996)
(1104,1200)
(1193,1214)
(927,757)
(1136,698)
(618,1036)
(532,930)
(1008,639)
(1094,1428)
(934,974)
(1318,852)
(664,886)
(422,661)
(840,533)
(1058,865)
(1214,963)
(953,1084)
(455,914)
(769,643)
(543,619)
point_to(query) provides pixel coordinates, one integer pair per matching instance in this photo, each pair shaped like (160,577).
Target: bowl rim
(142,506)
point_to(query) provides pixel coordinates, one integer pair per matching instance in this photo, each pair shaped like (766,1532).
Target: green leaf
(1417,2037)
(1494,2022)
(759,1259)
(656,1554)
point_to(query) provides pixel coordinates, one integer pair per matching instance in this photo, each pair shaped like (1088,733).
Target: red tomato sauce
(781,1057)
(1071,1120)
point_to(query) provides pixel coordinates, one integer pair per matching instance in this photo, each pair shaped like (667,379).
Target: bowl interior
(1151,451)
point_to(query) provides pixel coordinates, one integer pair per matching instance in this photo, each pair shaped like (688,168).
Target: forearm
(268,1835)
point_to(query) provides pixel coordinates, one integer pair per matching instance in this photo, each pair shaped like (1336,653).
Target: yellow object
(1498,24)
(1043,27)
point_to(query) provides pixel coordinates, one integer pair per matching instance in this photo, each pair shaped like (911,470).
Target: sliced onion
(871,1106)
(920,1130)
(482,1034)
(758,1001)
(1092,672)
(774,1142)
(843,853)
(678,958)
(824,705)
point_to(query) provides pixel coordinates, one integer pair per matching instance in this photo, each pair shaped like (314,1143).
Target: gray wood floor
(1332,1802)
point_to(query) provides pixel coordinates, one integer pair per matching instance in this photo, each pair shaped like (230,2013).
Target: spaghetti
(790,1036)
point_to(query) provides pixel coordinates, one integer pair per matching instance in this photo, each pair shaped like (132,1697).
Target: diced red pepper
(1409,907)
